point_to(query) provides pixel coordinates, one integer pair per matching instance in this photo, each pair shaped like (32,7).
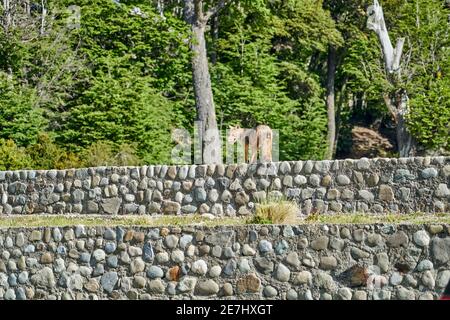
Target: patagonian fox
(254,140)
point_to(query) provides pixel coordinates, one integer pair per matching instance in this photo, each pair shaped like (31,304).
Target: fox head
(234,133)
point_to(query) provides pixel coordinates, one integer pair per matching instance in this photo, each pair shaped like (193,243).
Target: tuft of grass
(276,212)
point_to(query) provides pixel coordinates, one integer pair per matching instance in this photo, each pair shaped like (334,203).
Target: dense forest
(104,82)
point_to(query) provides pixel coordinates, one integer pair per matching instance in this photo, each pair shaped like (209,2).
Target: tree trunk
(206,113)
(406,143)
(331,74)
(215,36)
(392,58)
(43,17)
(398,109)
(7,14)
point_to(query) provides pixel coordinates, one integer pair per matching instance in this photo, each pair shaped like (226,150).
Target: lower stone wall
(239,262)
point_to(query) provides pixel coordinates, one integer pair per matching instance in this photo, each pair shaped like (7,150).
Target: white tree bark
(398,105)
(376,23)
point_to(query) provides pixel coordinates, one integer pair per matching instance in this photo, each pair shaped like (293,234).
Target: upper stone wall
(367,185)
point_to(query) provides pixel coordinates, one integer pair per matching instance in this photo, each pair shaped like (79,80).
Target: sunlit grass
(276,212)
(198,220)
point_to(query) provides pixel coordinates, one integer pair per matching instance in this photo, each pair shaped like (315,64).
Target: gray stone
(177,256)
(247,250)
(112,261)
(337,244)
(398,239)
(441,249)
(320,243)
(230,268)
(155,272)
(10,294)
(381,295)
(325,281)
(110,247)
(405,294)
(270,292)
(187,284)
(170,207)
(395,279)
(443,278)
(303,277)
(328,263)
(111,205)
(428,280)
(44,278)
(217,251)
(99,255)
(199,267)
(108,281)
(359,254)
(344,294)
(291,294)
(363,164)
(343,180)
(425,265)
(137,265)
(366,195)
(171,241)
(442,191)
(383,261)
(215,271)
(386,193)
(360,295)
(185,240)
(156,286)
(282,273)
(264,265)
(429,173)
(292,259)
(265,246)
(207,288)
(220,238)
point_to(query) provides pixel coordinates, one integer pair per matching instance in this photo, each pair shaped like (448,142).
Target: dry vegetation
(266,213)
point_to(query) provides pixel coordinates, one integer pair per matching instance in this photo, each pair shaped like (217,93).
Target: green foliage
(429,118)
(121,109)
(111,91)
(13,157)
(45,154)
(137,63)
(262,75)
(19,119)
(426,68)
(105,153)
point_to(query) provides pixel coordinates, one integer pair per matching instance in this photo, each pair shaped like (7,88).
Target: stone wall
(378,185)
(242,262)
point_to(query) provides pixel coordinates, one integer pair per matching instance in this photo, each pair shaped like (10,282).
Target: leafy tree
(20,120)
(13,157)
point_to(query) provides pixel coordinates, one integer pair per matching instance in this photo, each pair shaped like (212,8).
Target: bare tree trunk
(7,14)
(392,57)
(28,7)
(43,16)
(331,75)
(215,36)
(206,113)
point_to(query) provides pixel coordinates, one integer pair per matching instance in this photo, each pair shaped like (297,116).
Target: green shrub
(13,157)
